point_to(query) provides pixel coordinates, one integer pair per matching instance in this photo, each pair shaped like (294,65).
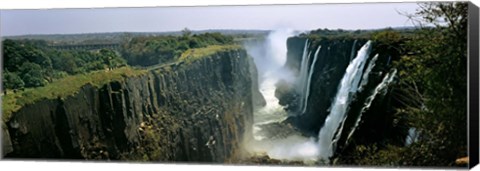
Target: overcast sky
(298,17)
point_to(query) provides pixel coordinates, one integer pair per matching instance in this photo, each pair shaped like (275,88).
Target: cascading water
(381,88)
(348,86)
(413,136)
(305,76)
(367,72)
(352,52)
(363,83)
(294,146)
(310,73)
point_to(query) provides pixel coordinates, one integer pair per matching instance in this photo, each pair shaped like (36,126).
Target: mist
(270,56)
(294,148)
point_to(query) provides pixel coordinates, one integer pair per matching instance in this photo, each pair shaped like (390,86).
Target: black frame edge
(473,47)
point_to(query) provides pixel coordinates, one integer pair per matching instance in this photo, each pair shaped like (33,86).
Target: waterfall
(381,88)
(348,85)
(413,136)
(352,52)
(303,74)
(367,72)
(358,72)
(310,73)
(363,83)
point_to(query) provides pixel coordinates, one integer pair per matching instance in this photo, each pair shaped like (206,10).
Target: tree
(32,75)
(12,81)
(147,51)
(451,16)
(433,84)
(64,61)
(387,37)
(186,32)
(111,59)
(12,55)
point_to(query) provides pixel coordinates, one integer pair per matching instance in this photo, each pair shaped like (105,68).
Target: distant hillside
(118,37)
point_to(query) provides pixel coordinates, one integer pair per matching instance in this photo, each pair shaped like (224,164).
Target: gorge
(193,110)
(325,87)
(290,96)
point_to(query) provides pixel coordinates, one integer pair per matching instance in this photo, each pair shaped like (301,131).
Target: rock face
(183,112)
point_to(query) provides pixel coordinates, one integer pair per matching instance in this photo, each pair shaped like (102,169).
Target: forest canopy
(146,51)
(32,63)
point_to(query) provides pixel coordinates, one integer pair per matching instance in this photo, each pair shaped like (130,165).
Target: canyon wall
(186,111)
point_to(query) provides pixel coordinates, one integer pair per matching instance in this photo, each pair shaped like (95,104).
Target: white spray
(269,59)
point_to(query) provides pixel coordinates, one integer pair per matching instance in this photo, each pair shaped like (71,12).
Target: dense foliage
(436,77)
(64,87)
(33,63)
(431,91)
(49,73)
(146,51)
(356,34)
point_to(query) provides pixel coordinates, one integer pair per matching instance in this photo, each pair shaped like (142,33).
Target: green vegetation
(147,51)
(194,54)
(34,70)
(435,79)
(431,92)
(356,34)
(64,87)
(33,64)
(76,39)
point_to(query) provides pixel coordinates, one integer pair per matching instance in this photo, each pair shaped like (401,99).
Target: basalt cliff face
(189,111)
